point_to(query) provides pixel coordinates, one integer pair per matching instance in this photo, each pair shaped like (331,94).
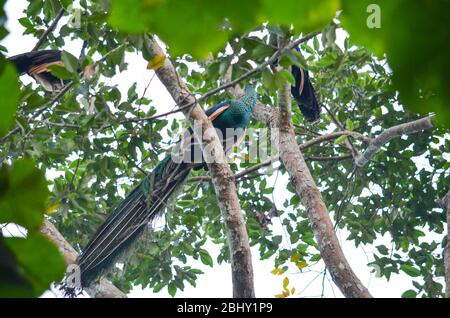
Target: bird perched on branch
(36,64)
(303,90)
(305,95)
(148,200)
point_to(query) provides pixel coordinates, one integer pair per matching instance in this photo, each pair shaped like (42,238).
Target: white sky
(216,282)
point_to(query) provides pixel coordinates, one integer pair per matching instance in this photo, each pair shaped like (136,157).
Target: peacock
(147,201)
(304,94)
(36,64)
(303,90)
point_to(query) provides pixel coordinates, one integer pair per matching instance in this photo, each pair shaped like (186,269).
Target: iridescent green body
(148,199)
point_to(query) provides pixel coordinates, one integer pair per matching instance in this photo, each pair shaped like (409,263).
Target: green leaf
(26,23)
(284,76)
(70,62)
(39,261)
(206,258)
(172,289)
(349,124)
(60,72)
(262,50)
(158,287)
(12,282)
(23,194)
(287,76)
(383,249)
(132,16)
(9,90)
(410,270)
(268,80)
(409,294)
(420,71)
(117,56)
(340,140)
(175,24)
(35,7)
(276,239)
(296,58)
(306,16)
(285,282)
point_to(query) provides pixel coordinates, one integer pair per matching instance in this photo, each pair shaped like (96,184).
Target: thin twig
(392,132)
(54,99)
(271,160)
(324,158)
(250,73)
(50,29)
(145,91)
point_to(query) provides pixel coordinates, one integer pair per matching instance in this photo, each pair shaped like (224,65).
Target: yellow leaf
(280,296)
(295,257)
(292,290)
(52,208)
(285,282)
(156,62)
(301,264)
(277,271)
(285,293)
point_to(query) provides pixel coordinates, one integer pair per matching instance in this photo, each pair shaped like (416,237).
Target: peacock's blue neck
(238,114)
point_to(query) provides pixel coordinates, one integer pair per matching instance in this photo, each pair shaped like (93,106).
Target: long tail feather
(28,60)
(304,94)
(124,226)
(303,90)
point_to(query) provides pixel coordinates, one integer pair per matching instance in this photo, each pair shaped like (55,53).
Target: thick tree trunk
(222,176)
(304,184)
(292,158)
(103,289)
(445,203)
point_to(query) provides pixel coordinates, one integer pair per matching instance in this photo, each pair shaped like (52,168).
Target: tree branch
(229,85)
(102,289)
(445,204)
(323,158)
(55,99)
(321,224)
(50,29)
(390,133)
(222,176)
(302,146)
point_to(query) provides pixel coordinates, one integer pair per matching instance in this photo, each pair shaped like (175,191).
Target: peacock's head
(250,95)
(249,89)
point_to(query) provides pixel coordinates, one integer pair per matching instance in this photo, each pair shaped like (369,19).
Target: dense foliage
(97,153)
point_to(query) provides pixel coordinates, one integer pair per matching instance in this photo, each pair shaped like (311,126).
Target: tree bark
(292,158)
(390,133)
(304,184)
(222,176)
(103,289)
(445,203)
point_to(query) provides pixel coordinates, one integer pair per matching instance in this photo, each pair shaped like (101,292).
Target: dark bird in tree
(303,90)
(304,94)
(148,200)
(36,64)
